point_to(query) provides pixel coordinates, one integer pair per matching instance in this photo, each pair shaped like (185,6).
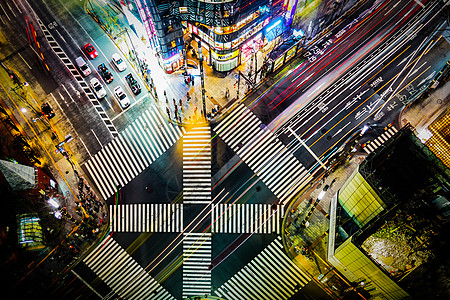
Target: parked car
(122,97)
(99,91)
(118,62)
(105,73)
(47,110)
(90,50)
(83,66)
(134,85)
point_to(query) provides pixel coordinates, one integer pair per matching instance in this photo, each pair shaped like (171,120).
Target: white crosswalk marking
(196,262)
(372,146)
(125,157)
(270,275)
(263,152)
(122,273)
(146,218)
(246,218)
(197,166)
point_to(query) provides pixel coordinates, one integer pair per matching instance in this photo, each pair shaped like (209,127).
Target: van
(83,66)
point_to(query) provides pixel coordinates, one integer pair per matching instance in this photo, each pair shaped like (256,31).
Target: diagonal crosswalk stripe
(263,152)
(125,157)
(270,275)
(122,273)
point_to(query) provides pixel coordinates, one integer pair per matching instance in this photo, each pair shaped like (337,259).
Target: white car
(99,91)
(118,62)
(122,97)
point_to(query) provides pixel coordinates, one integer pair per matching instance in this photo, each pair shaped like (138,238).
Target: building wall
(359,199)
(226,27)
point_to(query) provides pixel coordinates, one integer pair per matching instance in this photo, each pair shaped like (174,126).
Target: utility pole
(202,79)
(238,82)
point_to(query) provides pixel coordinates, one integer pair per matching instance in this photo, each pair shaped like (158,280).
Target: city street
(193,208)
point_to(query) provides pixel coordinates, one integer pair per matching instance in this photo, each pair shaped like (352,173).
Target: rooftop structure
(385,220)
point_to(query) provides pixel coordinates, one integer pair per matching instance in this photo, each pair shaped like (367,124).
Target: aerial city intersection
(194,149)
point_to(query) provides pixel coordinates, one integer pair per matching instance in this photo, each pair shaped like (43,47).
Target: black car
(47,110)
(105,73)
(134,85)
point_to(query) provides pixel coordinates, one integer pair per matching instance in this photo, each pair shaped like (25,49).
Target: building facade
(401,186)
(230,30)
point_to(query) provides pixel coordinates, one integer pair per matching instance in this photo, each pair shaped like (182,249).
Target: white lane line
(420,3)
(5,12)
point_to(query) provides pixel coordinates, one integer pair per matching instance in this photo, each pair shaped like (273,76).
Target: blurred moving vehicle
(122,97)
(82,65)
(47,111)
(134,85)
(118,62)
(99,91)
(90,50)
(105,73)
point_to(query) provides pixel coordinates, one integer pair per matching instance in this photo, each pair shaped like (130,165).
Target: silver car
(83,66)
(122,97)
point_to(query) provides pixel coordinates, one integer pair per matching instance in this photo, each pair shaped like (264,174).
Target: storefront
(225,62)
(173,63)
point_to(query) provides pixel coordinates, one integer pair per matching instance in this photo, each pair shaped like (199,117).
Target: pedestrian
(181,103)
(192,79)
(168,112)
(174,102)
(188,96)
(176,108)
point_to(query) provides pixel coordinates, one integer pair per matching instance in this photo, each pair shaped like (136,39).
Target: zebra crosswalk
(246,218)
(197,166)
(196,262)
(126,156)
(270,275)
(146,218)
(122,273)
(373,145)
(263,152)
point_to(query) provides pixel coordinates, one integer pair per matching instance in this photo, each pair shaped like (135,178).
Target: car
(47,110)
(105,73)
(98,88)
(118,62)
(90,50)
(122,97)
(134,85)
(83,66)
